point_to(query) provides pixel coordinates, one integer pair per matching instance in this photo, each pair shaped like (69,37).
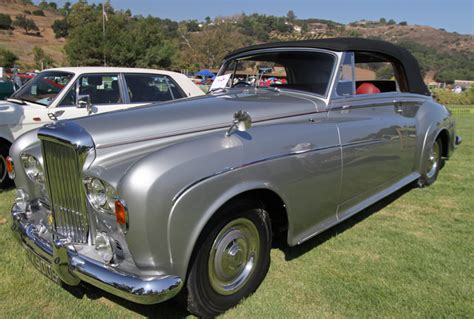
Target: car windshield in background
(44,88)
(303,71)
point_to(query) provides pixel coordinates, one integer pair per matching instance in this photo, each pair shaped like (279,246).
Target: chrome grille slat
(63,174)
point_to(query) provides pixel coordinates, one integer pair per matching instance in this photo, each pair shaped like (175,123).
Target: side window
(101,88)
(374,74)
(345,86)
(152,88)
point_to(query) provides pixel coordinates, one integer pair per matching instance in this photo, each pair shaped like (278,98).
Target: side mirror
(242,122)
(84,102)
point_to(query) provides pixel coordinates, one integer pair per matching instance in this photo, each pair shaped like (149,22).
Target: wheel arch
(431,135)
(267,196)
(443,134)
(4,141)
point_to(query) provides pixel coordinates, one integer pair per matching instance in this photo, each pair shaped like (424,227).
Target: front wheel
(5,181)
(232,259)
(433,164)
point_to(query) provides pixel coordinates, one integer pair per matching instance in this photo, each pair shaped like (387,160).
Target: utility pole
(104,18)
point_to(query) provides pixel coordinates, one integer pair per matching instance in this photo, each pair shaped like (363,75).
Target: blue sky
(452,15)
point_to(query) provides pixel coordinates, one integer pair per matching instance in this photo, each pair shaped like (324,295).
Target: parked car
(188,196)
(62,93)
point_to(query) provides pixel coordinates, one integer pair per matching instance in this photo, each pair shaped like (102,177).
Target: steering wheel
(241,84)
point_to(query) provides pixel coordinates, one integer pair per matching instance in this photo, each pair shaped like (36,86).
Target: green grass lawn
(412,255)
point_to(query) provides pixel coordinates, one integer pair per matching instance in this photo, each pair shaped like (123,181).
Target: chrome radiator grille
(63,167)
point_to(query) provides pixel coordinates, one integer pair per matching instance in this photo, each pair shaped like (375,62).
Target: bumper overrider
(61,263)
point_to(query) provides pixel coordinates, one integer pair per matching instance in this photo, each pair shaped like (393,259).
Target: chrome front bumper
(72,268)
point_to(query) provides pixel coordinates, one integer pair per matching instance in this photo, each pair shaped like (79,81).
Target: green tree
(291,16)
(391,22)
(383,21)
(403,23)
(132,42)
(5,21)
(65,9)
(7,58)
(23,22)
(60,28)
(43,5)
(42,60)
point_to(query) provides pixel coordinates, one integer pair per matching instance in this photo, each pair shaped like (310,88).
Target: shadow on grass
(297,251)
(173,308)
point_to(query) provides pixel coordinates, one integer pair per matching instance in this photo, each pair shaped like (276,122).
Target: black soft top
(399,55)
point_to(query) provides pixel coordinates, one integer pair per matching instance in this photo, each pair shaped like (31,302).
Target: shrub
(445,96)
(7,58)
(5,21)
(60,28)
(23,22)
(38,13)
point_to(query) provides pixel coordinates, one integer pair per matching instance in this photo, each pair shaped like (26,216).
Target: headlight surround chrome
(101,195)
(33,168)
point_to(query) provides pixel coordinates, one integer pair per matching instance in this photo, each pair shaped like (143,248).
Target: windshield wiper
(17,101)
(218,90)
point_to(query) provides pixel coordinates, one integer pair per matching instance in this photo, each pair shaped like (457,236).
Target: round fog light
(104,247)
(21,199)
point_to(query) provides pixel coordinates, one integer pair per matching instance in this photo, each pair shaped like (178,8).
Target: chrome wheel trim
(433,161)
(3,168)
(233,256)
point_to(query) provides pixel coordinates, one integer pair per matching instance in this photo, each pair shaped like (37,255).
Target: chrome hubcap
(3,168)
(433,161)
(233,256)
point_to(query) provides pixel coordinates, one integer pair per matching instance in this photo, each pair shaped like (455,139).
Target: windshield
(44,88)
(298,70)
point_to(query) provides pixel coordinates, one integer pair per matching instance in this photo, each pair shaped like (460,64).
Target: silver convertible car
(186,196)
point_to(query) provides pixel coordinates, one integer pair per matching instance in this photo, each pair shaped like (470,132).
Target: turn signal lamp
(10,168)
(121,214)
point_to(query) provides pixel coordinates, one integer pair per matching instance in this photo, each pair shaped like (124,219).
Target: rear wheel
(433,164)
(5,181)
(232,259)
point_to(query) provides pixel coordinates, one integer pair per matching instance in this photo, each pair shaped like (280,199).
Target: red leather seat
(367,88)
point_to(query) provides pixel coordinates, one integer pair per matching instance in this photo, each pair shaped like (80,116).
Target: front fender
(152,182)
(433,119)
(193,210)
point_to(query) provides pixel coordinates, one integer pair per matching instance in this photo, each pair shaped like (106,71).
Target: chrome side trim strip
(266,159)
(362,143)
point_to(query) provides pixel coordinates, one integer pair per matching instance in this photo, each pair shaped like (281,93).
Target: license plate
(43,266)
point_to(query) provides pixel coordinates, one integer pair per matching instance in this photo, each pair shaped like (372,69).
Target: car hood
(194,115)
(10,113)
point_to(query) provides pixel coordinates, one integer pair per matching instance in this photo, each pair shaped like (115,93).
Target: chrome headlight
(33,168)
(101,195)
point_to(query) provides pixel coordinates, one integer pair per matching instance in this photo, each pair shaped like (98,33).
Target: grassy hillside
(425,35)
(22,44)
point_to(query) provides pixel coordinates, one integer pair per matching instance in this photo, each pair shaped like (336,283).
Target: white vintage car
(64,93)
